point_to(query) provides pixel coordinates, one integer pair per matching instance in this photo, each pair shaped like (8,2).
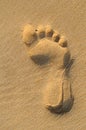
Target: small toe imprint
(56,37)
(63,41)
(49,31)
(41,31)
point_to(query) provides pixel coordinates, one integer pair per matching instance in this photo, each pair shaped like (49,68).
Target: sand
(22,82)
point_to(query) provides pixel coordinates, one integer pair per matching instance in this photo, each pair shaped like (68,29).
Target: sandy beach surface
(22,82)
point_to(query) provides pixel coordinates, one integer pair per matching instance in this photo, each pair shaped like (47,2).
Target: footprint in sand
(47,46)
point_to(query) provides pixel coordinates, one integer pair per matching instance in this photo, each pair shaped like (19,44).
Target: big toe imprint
(47,46)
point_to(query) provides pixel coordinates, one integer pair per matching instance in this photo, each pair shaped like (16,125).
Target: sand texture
(23,82)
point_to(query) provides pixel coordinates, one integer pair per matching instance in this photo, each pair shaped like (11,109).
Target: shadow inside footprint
(63,108)
(67,105)
(40,59)
(56,110)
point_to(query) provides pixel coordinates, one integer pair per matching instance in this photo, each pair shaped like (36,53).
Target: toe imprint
(51,48)
(56,37)
(49,31)
(41,31)
(29,34)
